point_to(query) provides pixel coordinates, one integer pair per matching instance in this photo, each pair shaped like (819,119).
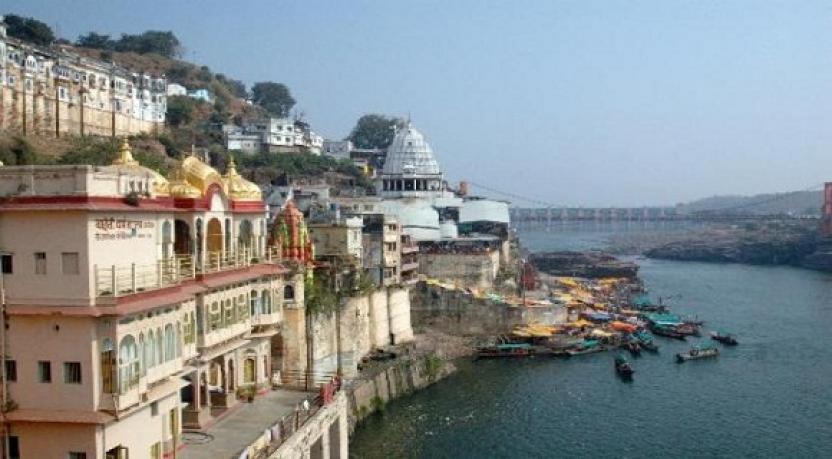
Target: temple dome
(410,154)
(239,188)
(125,163)
(199,174)
(180,188)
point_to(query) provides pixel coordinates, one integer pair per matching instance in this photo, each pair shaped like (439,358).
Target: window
(6,261)
(128,363)
(11,370)
(45,371)
(40,262)
(72,372)
(170,343)
(154,409)
(69,263)
(14,447)
(288,292)
(75,455)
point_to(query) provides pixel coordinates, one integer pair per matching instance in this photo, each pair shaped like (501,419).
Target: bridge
(549,215)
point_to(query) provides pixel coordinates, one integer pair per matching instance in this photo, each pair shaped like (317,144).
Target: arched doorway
(244,236)
(182,238)
(214,234)
(250,370)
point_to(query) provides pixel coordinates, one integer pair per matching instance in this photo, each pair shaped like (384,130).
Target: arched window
(288,292)
(149,350)
(254,303)
(128,363)
(170,342)
(266,300)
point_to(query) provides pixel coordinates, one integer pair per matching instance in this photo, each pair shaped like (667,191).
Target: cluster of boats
(597,331)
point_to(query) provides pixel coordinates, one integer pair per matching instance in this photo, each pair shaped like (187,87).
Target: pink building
(136,305)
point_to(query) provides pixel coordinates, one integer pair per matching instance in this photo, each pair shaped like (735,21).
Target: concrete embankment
(374,387)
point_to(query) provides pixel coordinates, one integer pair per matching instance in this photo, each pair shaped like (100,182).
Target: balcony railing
(121,280)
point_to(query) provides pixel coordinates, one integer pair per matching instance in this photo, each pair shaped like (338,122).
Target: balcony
(122,280)
(409,248)
(409,267)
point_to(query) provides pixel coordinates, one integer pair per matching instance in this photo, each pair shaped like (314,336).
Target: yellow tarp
(581,323)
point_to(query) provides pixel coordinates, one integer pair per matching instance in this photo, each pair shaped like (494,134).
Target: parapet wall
(457,312)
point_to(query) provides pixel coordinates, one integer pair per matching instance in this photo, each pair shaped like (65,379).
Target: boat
(667,331)
(623,367)
(505,350)
(586,347)
(697,352)
(724,338)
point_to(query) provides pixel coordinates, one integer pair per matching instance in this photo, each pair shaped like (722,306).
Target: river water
(768,397)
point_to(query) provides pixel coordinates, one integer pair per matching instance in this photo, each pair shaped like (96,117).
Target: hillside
(793,202)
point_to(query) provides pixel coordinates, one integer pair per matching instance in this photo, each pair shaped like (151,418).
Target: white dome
(418,218)
(410,154)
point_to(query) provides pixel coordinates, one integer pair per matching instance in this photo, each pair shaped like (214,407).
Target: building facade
(55,92)
(137,305)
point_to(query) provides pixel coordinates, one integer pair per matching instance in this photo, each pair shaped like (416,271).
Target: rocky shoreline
(591,265)
(767,243)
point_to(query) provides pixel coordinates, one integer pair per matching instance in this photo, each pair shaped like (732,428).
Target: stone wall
(476,270)
(459,313)
(374,388)
(363,323)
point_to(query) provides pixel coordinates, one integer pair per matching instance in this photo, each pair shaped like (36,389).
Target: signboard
(108,229)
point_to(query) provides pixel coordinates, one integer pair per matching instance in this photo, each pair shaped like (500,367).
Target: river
(768,397)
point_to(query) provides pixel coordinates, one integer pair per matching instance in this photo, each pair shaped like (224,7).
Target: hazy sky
(573,102)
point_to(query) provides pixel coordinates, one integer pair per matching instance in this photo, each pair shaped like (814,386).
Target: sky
(579,103)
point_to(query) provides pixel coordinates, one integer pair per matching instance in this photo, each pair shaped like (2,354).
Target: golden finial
(232,166)
(125,155)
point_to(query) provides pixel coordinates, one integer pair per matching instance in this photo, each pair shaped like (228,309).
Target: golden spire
(232,166)
(125,155)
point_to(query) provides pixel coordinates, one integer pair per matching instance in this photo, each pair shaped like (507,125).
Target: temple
(138,304)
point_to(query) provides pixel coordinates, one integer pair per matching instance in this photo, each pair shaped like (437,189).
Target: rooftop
(410,154)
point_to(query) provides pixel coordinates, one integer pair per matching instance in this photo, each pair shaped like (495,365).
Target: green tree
(29,29)
(374,131)
(274,97)
(96,41)
(180,110)
(152,41)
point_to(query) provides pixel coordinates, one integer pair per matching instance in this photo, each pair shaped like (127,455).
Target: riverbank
(792,243)
(769,388)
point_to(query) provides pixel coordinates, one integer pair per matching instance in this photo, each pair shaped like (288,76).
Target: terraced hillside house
(53,92)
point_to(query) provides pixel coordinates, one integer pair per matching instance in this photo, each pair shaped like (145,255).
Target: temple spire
(125,155)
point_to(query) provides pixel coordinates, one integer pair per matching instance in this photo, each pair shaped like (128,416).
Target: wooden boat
(724,338)
(623,367)
(646,341)
(505,350)
(688,328)
(697,352)
(668,332)
(587,347)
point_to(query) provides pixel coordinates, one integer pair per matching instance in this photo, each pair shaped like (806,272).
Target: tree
(29,29)
(236,87)
(180,110)
(152,41)
(96,41)
(374,131)
(274,97)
